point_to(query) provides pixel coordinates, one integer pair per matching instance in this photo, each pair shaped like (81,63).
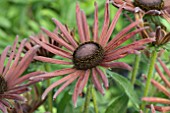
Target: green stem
(94,100)
(149,75)
(50,100)
(87,101)
(135,68)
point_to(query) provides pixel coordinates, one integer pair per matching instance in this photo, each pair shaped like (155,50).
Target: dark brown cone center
(149,4)
(88,55)
(3,85)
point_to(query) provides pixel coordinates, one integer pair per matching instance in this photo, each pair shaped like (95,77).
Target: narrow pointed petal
(54,74)
(121,65)
(52,50)
(65,32)
(166,81)
(131,47)
(164,67)
(2,58)
(76,89)
(24,63)
(152,109)
(19,90)
(156,100)
(59,40)
(3,108)
(95,26)
(112,26)
(124,38)
(86,27)
(160,87)
(79,23)
(123,32)
(103,77)
(13,97)
(26,77)
(97,82)
(55,84)
(105,24)
(51,60)
(84,81)
(64,86)
(6,103)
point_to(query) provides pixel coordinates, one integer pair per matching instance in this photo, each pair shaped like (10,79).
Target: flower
(10,74)
(154,7)
(34,101)
(41,51)
(89,54)
(163,88)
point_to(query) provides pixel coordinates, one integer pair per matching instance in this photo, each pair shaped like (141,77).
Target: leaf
(127,87)
(63,103)
(119,104)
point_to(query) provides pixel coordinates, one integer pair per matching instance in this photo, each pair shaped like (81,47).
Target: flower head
(154,7)
(10,74)
(162,88)
(87,55)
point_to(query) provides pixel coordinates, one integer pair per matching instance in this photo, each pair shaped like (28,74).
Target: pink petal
(156,100)
(3,108)
(105,24)
(55,84)
(54,74)
(64,86)
(2,59)
(13,97)
(103,77)
(96,82)
(95,26)
(164,67)
(66,33)
(59,40)
(112,26)
(51,60)
(123,32)
(117,65)
(79,23)
(124,38)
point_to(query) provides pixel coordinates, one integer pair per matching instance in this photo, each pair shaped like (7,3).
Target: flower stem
(50,101)
(135,68)
(94,100)
(149,75)
(87,101)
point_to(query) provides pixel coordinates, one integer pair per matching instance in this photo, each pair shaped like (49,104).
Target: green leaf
(119,104)
(63,103)
(127,87)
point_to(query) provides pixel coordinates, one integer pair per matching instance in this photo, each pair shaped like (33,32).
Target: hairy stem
(149,75)
(94,100)
(135,68)
(87,101)
(50,100)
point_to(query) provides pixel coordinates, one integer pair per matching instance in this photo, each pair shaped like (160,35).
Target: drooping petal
(3,108)
(166,81)
(156,100)
(64,86)
(117,65)
(76,89)
(164,67)
(54,74)
(13,97)
(52,50)
(103,77)
(51,60)
(97,82)
(55,84)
